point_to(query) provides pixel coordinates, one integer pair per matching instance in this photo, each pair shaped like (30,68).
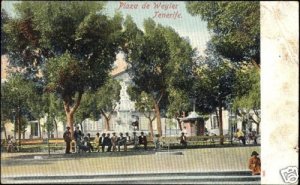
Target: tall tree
(68,47)
(106,99)
(247,94)
(159,59)
(148,59)
(15,96)
(213,86)
(235,28)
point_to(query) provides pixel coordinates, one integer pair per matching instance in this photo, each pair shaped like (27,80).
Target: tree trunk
(70,123)
(39,127)
(179,124)
(218,119)
(107,118)
(151,129)
(221,125)
(70,110)
(157,113)
(107,124)
(19,126)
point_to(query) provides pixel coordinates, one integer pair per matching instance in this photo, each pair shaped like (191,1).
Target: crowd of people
(246,138)
(105,143)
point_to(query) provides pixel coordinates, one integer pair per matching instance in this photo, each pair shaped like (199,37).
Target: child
(254,163)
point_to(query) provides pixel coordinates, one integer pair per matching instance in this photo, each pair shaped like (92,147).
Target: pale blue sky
(187,26)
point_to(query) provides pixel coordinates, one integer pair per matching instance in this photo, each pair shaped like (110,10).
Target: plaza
(220,159)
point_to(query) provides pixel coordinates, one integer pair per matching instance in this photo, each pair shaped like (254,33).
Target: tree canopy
(159,60)
(235,27)
(66,47)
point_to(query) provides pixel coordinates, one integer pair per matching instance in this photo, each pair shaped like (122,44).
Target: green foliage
(235,27)
(179,101)
(60,31)
(108,95)
(16,96)
(159,59)
(65,76)
(213,87)
(148,60)
(247,88)
(144,104)
(4,20)
(67,48)
(87,108)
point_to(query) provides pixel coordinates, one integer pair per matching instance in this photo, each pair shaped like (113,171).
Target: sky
(179,19)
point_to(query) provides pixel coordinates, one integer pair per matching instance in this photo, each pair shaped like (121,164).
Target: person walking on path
(67,138)
(254,163)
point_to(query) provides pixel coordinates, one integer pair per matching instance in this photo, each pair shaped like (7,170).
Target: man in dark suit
(143,140)
(67,138)
(101,141)
(107,142)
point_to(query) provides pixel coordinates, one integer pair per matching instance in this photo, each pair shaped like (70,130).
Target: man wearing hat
(254,163)
(67,138)
(114,141)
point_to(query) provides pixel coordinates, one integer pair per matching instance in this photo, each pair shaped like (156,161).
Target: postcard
(149,92)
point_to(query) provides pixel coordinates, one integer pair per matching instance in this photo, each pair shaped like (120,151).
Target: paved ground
(192,160)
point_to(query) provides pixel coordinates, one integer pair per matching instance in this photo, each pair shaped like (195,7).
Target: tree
(159,59)
(247,90)
(148,59)
(66,47)
(106,99)
(213,86)
(15,96)
(235,27)
(87,108)
(179,102)
(144,104)
(4,20)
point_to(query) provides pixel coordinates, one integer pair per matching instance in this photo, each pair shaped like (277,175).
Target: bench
(207,140)
(169,141)
(194,140)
